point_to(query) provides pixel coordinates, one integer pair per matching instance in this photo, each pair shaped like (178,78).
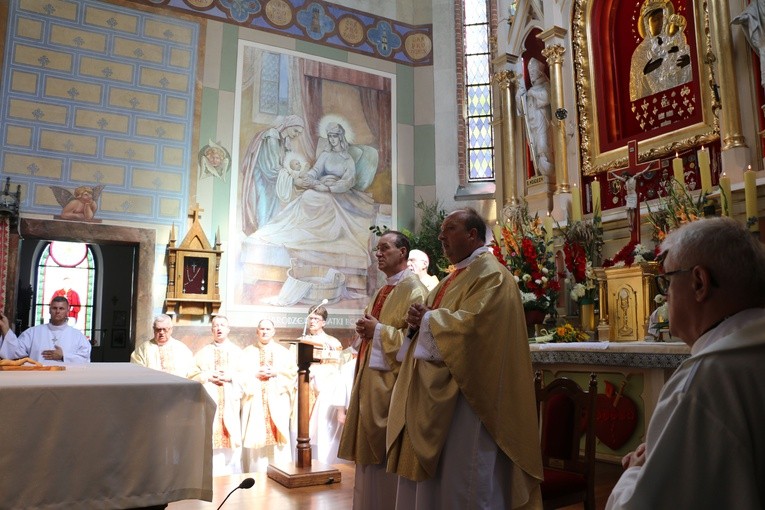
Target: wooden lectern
(305,471)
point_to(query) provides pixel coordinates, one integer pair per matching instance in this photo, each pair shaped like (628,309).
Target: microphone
(246,484)
(323,302)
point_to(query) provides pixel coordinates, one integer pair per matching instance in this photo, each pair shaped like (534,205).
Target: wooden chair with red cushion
(565,413)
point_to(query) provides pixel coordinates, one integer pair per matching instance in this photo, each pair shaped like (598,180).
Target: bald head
(418,262)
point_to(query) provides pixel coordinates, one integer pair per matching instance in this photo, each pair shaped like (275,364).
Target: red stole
(376,309)
(437,300)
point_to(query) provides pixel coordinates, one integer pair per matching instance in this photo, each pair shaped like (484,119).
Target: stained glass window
(67,269)
(477,83)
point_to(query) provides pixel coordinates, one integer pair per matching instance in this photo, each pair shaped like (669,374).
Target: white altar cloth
(104,435)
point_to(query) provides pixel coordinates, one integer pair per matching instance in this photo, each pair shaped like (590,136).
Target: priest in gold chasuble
(462,430)
(269,392)
(381,332)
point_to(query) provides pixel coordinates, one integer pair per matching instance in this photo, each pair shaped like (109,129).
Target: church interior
(207,157)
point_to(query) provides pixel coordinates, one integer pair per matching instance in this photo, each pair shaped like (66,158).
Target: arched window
(69,270)
(474,85)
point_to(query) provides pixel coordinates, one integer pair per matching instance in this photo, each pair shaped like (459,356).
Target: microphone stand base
(292,476)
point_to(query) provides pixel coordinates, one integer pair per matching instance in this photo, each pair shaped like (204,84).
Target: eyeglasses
(662,280)
(162,330)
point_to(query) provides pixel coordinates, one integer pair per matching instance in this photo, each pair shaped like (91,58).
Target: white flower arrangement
(577,291)
(586,288)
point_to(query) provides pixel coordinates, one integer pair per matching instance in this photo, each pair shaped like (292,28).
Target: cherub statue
(82,205)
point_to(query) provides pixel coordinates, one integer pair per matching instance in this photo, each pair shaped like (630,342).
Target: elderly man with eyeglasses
(704,446)
(163,352)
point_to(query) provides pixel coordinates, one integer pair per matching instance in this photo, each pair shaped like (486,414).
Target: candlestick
(576,204)
(750,193)
(726,201)
(706,174)
(548,226)
(595,188)
(678,170)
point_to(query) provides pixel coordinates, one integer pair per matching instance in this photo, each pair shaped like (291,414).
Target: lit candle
(548,226)
(576,204)
(678,170)
(706,174)
(726,200)
(595,187)
(750,193)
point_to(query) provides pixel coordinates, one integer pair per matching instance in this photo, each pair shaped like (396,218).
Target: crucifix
(628,177)
(196,213)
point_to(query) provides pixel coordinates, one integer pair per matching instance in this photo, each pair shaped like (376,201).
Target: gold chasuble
(363,438)
(480,330)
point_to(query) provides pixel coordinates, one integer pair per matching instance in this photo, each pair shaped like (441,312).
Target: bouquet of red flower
(632,253)
(583,242)
(525,253)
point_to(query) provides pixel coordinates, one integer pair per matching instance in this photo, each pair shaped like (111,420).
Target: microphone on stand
(323,302)
(246,484)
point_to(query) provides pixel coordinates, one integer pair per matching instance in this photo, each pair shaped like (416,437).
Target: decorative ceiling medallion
(241,11)
(351,30)
(279,13)
(418,45)
(200,4)
(384,38)
(315,21)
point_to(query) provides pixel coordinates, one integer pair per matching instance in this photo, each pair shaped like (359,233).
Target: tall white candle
(726,201)
(750,193)
(595,187)
(678,170)
(704,170)
(548,227)
(576,204)
(497,230)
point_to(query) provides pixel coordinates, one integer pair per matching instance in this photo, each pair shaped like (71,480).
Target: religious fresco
(649,83)
(313,171)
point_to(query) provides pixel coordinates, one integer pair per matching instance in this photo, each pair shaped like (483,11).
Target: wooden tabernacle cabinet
(192,272)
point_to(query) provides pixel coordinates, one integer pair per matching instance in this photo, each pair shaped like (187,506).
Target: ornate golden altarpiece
(193,270)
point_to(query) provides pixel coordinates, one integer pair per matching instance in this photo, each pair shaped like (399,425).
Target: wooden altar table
(104,435)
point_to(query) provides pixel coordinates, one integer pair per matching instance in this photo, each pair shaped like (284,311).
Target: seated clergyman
(53,343)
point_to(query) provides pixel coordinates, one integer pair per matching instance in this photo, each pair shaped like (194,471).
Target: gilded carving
(554,54)
(657,111)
